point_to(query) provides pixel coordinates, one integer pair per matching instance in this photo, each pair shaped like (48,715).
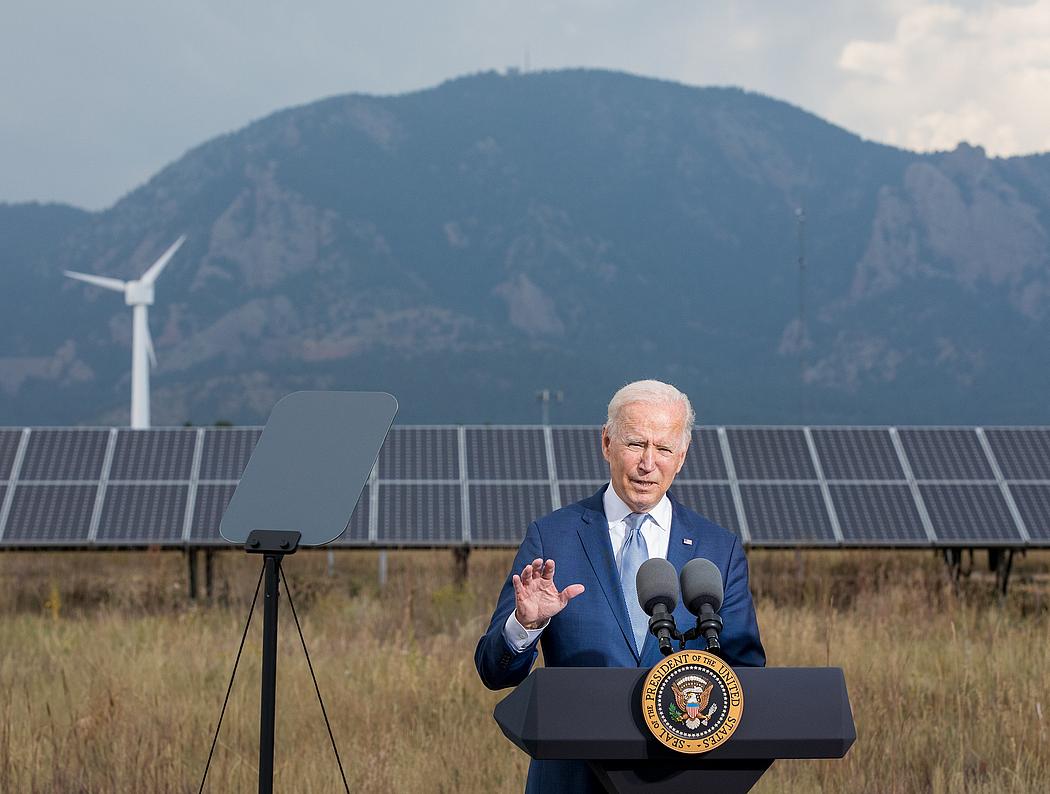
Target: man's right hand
(536,599)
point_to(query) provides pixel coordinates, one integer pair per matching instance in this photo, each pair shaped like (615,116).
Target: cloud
(110,91)
(950,74)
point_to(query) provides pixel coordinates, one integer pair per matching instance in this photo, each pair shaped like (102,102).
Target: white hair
(650,392)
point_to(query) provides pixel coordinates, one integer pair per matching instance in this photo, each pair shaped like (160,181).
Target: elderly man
(594,548)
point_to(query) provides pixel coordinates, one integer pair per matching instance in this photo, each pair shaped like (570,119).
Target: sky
(97,97)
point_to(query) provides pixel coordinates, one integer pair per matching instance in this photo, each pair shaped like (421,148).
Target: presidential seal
(692,701)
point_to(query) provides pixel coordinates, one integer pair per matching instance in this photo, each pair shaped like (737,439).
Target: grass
(111,681)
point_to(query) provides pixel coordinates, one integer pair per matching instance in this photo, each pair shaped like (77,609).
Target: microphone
(657,586)
(702,594)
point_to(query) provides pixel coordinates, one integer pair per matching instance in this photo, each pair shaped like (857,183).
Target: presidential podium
(594,714)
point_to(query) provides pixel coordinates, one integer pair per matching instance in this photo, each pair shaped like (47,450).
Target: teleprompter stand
(275,545)
(300,488)
(593,714)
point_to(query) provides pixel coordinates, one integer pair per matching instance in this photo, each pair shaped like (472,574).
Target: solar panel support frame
(734,486)
(464,485)
(1001,482)
(825,491)
(373,510)
(12,477)
(103,483)
(191,498)
(913,486)
(552,472)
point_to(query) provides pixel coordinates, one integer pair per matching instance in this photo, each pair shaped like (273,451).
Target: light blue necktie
(632,554)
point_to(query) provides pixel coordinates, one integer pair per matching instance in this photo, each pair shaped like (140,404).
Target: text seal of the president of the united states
(692,701)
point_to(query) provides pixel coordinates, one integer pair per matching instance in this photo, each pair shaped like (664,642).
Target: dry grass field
(111,681)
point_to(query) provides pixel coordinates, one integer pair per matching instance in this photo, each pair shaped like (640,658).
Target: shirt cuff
(517,636)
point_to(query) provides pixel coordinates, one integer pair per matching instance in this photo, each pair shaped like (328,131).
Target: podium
(594,714)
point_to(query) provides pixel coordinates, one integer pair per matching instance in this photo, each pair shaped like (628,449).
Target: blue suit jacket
(594,630)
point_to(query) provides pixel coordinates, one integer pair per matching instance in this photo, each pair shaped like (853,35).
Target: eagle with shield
(691,696)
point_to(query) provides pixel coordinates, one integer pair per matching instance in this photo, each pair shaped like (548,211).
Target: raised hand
(536,599)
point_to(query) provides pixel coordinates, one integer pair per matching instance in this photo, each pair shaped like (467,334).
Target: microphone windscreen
(701,581)
(657,583)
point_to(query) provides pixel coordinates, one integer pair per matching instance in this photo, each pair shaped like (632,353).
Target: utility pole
(800,216)
(545,396)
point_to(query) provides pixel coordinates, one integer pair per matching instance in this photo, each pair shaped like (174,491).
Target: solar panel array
(481,486)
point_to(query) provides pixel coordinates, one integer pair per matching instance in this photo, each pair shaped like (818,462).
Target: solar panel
(859,453)
(357,532)
(518,453)
(1033,503)
(149,479)
(875,514)
(713,501)
(944,453)
(704,460)
(226,452)
(1023,453)
(786,513)
(500,513)
(153,455)
(578,454)
(54,454)
(420,514)
(770,454)
(207,512)
(142,514)
(969,513)
(420,453)
(8,449)
(50,513)
(571,492)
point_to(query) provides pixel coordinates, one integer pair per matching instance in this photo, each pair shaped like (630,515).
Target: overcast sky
(97,96)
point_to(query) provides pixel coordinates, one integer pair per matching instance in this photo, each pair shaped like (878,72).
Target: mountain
(469,244)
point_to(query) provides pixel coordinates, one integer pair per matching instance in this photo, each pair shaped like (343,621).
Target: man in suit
(598,545)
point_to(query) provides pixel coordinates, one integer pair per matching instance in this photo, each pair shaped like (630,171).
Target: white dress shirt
(656,529)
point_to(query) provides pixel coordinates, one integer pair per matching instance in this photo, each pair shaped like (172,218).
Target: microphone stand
(708,625)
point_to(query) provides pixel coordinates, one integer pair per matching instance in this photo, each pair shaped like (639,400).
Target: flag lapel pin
(687,541)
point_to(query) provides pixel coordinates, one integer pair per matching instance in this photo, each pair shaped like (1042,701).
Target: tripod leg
(272,570)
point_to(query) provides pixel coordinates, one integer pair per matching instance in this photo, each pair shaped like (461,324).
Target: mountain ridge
(466,245)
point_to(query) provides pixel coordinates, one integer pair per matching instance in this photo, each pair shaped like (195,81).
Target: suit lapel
(679,552)
(594,535)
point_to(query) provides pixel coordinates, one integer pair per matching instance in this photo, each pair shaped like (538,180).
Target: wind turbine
(138,294)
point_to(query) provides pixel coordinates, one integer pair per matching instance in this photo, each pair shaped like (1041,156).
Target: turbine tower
(138,294)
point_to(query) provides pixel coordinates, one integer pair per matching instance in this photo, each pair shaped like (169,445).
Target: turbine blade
(154,270)
(99,281)
(149,348)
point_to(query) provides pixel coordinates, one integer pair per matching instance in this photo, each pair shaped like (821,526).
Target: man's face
(645,452)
